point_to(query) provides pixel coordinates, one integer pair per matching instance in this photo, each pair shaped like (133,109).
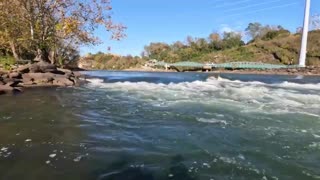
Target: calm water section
(157,126)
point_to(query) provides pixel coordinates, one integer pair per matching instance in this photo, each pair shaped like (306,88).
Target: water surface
(141,126)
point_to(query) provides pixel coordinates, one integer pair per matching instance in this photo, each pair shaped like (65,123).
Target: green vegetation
(268,44)
(110,61)
(6,62)
(273,45)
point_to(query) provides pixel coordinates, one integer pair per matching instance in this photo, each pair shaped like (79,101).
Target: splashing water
(127,125)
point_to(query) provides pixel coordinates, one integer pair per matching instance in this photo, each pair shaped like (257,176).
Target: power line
(263,9)
(252,5)
(231,4)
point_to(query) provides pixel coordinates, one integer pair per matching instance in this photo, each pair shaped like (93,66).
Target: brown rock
(13,83)
(42,67)
(5,89)
(15,75)
(62,82)
(4,76)
(38,78)
(34,68)
(7,80)
(66,71)
(23,69)
(78,74)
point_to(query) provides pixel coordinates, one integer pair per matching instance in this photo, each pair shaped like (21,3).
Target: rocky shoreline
(40,74)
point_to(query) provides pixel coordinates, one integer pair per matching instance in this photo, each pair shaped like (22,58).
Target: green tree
(254,30)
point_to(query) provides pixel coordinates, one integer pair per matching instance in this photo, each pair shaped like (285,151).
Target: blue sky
(172,20)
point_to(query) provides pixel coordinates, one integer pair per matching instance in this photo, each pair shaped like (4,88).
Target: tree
(232,39)
(254,30)
(12,26)
(214,37)
(315,22)
(44,25)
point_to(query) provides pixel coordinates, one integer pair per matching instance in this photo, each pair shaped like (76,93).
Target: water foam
(251,96)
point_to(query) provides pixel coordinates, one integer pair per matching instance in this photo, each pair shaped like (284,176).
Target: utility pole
(303,51)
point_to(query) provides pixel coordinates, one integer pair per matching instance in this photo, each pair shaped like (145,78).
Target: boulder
(66,71)
(13,83)
(7,80)
(78,74)
(4,76)
(62,81)
(38,78)
(23,69)
(34,68)
(42,67)
(6,89)
(15,75)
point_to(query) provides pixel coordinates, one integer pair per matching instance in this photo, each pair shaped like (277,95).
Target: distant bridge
(230,65)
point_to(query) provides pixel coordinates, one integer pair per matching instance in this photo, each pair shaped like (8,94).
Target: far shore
(308,71)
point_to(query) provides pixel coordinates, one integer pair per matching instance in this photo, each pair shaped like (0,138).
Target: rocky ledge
(40,74)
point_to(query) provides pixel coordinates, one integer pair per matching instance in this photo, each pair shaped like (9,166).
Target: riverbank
(40,74)
(307,71)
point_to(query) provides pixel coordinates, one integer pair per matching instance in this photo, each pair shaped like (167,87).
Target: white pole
(303,51)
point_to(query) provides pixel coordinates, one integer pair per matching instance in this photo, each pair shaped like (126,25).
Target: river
(157,126)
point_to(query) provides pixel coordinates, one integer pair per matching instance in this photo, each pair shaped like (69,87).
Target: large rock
(42,67)
(78,74)
(23,69)
(66,71)
(62,81)
(6,89)
(38,78)
(13,82)
(47,79)
(15,75)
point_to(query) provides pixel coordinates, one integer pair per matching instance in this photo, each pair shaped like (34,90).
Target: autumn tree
(47,25)
(12,27)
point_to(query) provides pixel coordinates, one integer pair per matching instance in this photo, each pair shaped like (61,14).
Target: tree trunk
(42,56)
(52,57)
(14,51)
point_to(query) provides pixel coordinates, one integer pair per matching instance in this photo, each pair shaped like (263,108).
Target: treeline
(198,49)
(110,61)
(52,30)
(268,44)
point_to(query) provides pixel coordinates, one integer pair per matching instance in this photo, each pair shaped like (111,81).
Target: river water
(157,126)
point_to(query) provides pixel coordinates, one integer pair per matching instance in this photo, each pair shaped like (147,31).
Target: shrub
(6,62)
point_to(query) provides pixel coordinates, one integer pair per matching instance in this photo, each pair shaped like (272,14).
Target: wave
(253,96)
(213,121)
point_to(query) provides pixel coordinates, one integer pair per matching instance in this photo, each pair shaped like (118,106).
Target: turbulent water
(157,126)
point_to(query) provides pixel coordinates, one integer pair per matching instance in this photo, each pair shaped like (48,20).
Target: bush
(274,34)
(6,62)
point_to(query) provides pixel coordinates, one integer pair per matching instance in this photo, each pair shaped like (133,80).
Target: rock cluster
(35,75)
